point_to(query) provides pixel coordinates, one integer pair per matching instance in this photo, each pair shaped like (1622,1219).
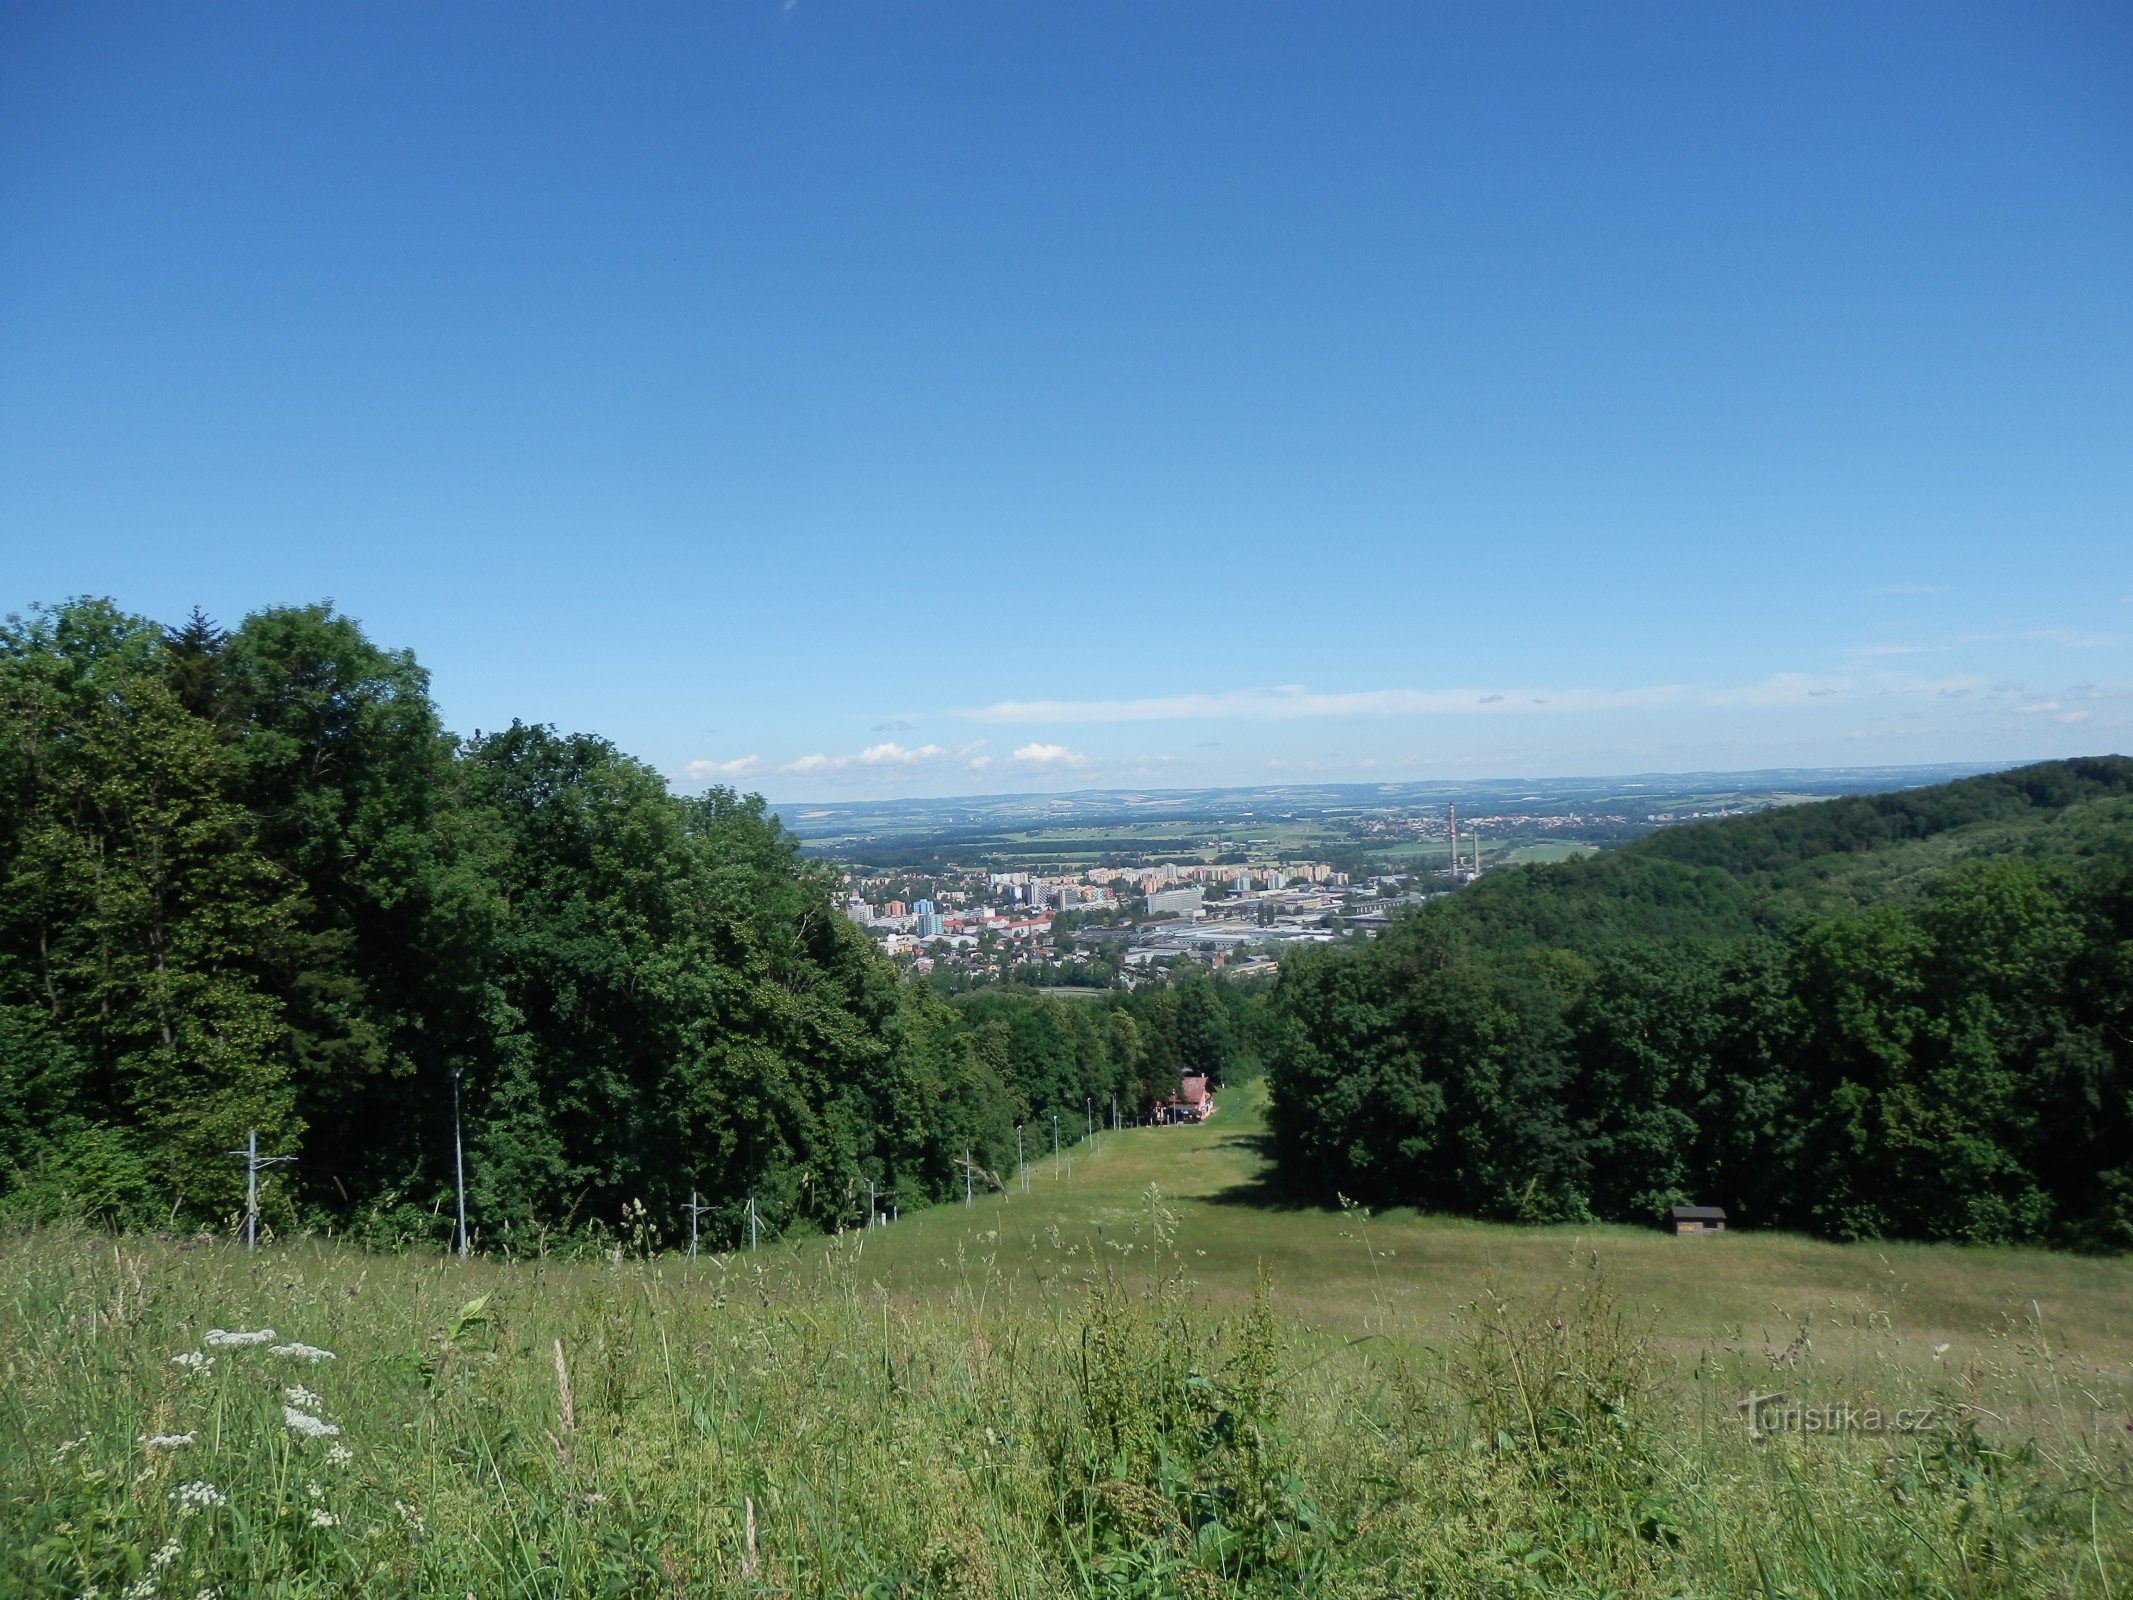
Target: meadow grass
(1138,1379)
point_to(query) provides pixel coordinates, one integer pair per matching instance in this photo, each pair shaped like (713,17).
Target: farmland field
(1141,1377)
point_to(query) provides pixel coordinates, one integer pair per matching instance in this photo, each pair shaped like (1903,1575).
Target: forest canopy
(1900,1015)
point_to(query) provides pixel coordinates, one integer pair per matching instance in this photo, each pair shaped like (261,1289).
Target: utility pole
(459,1166)
(1088,1116)
(1021,1166)
(695,1211)
(966,1174)
(1055,1144)
(1114,1113)
(253,1161)
(751,1222)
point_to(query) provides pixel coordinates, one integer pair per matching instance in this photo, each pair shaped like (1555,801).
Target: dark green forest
(1900,1015)
(248,881)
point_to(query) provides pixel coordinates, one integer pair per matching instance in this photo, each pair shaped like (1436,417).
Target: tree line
(248,881)
(1910,1015)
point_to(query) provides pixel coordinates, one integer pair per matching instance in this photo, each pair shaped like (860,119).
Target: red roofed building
(1192,1103)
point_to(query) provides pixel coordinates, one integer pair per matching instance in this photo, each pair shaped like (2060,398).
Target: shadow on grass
(1267,1189)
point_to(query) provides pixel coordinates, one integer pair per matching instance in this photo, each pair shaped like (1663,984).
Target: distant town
(1115,924)
(1101,890)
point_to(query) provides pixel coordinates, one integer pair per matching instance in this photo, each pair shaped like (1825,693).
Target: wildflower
(297,1395)
(165,1556)
(209,1593)
(197,1496)
(166,1441)
(409,1515)
(67,1447)
(306,1424)
(302,1352)
(339,1455)
(196,1362)
(142,1588)
(222,1336)
(322,1518)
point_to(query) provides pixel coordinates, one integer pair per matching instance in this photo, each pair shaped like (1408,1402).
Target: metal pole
(966,1174)
(695,1210)
(251,1190)
(1021,1166)
(459,1165)
(1055,1144)
(751,1223)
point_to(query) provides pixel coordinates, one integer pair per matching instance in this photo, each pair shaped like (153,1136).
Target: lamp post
(459,1165)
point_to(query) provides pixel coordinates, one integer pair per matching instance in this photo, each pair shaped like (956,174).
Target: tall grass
(785,1426)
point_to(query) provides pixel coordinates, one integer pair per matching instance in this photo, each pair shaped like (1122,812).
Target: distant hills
(1773,869)
(814,821)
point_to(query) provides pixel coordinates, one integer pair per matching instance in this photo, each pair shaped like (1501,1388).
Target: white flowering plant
(263,1482)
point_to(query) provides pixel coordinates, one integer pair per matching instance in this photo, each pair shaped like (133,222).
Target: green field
(1526,853)
(1077,1390)
(1407,1276)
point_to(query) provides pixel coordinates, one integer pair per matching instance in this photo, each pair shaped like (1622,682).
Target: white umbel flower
(297,1395)
(322,1518)
(224,1337)
(339,1455)
(196,1362)
(306,1424)
(302,1352)
(197,1496)
(166,1441)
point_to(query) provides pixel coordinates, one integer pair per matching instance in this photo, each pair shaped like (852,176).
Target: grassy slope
(909,1412)
(1406,1275)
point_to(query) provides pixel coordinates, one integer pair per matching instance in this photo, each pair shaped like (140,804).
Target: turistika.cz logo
(1776,1413)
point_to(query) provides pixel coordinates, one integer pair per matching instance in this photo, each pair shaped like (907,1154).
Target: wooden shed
(1698,1219)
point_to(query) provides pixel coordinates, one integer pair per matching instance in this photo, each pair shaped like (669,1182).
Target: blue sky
(848,400)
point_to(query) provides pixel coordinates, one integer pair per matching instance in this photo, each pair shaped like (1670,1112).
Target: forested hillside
(249,882)
(1910,1014)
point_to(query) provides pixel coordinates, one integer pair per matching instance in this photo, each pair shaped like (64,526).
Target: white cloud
(887,754)
(1888,649)
(712,771)
(2037,708)
(894,754)
(1050,755)
(1291,701)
